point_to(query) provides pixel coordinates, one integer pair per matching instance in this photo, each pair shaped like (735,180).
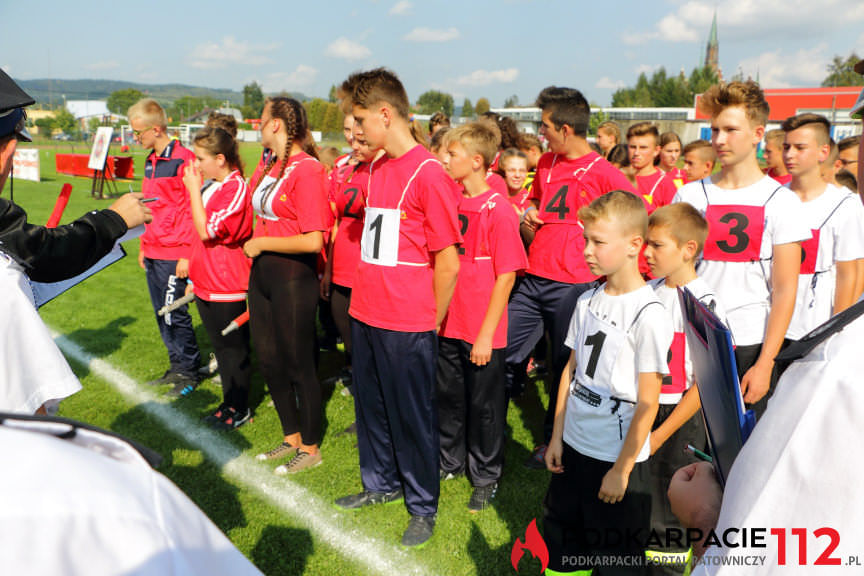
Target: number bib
(380,241)
(473,224)
(809,252)
(734,233)
(598,349)
(562,206)
(676,381)
(262,198)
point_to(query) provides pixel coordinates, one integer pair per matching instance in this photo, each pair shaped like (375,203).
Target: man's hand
(696,496)
(132,210)
(325,287)
(756,382)
(141,260)
(182,270)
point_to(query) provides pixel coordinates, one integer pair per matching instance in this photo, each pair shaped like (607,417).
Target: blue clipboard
(727,424)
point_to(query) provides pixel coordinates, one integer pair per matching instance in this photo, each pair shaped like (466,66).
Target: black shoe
(482,497)
(419,530)
(167,378)
(217,416)
(367,498)
(184,385)
(233,419)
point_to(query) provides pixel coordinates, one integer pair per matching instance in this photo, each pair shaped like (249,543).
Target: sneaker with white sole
(284,450)
(301,461)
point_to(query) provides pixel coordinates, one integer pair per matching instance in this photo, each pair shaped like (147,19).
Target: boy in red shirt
(569,177)
(773,155)
(643,145)
(167,240)
(404,282)
(699,159)
(472,409)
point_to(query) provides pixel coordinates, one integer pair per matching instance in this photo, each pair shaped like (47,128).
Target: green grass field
(110,317)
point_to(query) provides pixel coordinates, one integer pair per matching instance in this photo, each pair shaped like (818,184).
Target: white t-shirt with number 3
(645,329)
(744,286)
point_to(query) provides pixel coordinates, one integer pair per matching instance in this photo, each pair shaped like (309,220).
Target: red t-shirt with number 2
(563,186)
(411,213)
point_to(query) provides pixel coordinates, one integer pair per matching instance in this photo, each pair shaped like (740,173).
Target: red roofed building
(833,103)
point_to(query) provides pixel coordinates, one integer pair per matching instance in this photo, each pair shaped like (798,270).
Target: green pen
(698,453)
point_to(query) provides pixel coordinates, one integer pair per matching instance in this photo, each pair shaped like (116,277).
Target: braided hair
(293,117)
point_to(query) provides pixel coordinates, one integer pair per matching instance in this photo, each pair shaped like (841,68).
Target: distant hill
(49,90)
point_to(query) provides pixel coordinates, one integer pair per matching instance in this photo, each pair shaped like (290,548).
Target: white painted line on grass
(302,505)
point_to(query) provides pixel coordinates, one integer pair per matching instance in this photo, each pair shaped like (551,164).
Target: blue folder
(727,424)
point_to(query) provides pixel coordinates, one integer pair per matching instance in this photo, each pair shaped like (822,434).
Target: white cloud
(646,68)
(104,65)
(346,49)
(779,69)
(690,21)
(213,55)
(486,77)
(302,77)
(606,83)
(400,8)
(431,35)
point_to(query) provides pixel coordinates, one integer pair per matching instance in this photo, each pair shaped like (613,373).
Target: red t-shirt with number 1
(563,186)
(402,297)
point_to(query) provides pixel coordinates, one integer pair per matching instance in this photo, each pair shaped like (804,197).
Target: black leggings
(232,351)
(283,295)
(340,301)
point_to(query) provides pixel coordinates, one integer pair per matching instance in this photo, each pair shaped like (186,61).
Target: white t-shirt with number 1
(642,336)
(744,226)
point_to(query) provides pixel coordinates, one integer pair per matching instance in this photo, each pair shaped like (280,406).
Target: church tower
(712,52)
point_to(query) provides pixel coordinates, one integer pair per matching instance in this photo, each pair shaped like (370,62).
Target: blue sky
(472,48)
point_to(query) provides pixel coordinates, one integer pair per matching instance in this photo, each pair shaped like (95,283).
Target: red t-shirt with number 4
(393,288)
(294,204)
(744,225)
(562,186)
(491,246)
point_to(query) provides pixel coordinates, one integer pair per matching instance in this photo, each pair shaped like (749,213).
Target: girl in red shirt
(290,201)
(222,216)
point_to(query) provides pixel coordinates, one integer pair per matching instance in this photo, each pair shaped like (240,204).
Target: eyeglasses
(138,133)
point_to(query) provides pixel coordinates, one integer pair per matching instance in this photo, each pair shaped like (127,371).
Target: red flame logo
(534,544)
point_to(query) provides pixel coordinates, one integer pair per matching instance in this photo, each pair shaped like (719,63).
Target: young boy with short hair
(404,282)
(826,284)
(643,145)
(699,159)
(608,136)
(755,227)
(167,241)
(532,147)
(472,408)
(619,337)
(773,156)
(676,236)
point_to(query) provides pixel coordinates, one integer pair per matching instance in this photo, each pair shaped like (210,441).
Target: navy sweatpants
(535,303)
(397,419)
(175,327)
